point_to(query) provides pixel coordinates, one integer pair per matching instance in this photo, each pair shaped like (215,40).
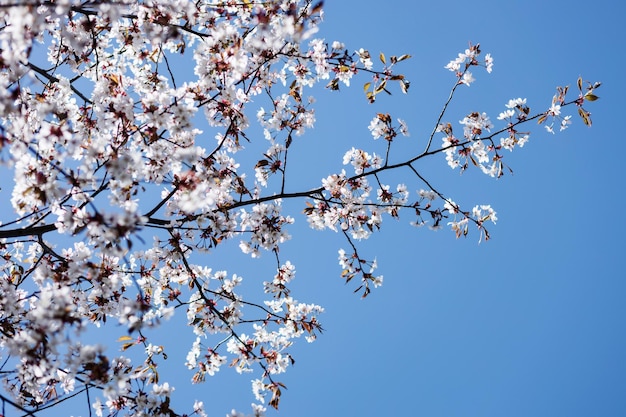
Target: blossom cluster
(381,126)
(470,57)
(478,145)
(92,140)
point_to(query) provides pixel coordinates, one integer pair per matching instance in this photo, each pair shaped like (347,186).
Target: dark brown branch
(16,405)
(54,79)
(27,231)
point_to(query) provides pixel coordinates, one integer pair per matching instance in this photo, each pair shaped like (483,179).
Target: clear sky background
(531,323)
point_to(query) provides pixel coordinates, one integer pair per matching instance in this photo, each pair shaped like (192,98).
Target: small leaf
(381,87)
(275,400)
(382,58)
(317,8)
(366,86)
(333,84)
(542,119)
(262,163)
(590,97)
(366,292)
(384,117)
(403,57)
(580,83)
(585,116)
(295,94)
(404,86)
(124,339)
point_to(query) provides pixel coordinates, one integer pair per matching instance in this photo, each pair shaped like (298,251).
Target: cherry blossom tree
(132,132)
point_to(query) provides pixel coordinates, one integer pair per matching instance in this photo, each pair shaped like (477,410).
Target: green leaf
(382,58)
(590,97)
(366,86)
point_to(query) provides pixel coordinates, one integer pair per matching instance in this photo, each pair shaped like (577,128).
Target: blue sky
(529,323)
